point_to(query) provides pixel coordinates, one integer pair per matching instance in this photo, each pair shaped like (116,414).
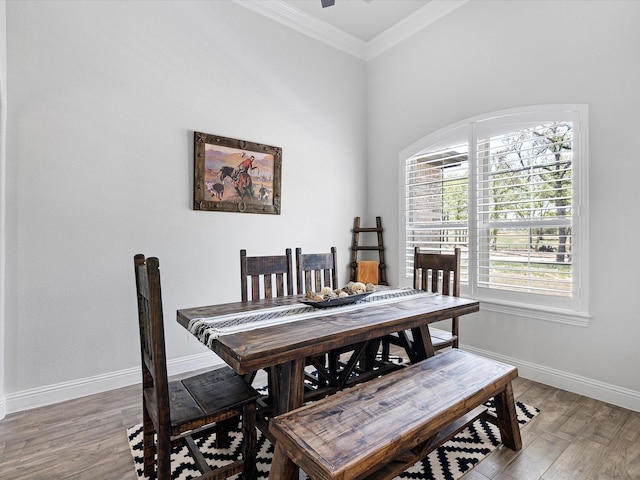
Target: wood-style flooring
(574,437)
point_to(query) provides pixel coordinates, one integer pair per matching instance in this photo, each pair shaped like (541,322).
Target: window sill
(548,314)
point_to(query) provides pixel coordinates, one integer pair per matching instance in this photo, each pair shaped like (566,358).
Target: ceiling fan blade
(327,3)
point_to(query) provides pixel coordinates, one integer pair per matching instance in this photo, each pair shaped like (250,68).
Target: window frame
(572,310)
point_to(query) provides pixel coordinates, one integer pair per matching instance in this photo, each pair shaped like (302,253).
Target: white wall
(103,101)
(494,55)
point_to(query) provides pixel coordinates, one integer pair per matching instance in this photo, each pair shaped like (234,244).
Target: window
(509,189)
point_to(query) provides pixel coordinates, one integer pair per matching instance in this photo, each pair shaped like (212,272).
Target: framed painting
(233,175)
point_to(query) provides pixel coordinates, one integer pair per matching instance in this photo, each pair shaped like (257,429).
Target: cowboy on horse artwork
(240,176)
(238,170)
(235,175)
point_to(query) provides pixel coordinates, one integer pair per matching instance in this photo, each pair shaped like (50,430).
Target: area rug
(449,462)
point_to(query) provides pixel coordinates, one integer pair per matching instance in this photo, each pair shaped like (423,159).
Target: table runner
(208,329)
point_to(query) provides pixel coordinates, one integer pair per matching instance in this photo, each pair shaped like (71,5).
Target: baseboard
(60,392)
(606,392)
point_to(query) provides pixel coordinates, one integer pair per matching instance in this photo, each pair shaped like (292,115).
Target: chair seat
(204,395)
(236,391)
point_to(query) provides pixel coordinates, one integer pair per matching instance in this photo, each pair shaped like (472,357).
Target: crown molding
(421,18)
(282,13)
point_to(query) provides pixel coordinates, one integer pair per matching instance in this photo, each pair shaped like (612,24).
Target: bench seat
(380,428)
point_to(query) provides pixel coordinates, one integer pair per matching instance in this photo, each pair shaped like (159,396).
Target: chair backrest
(316,270)
(437,272)
(276,269)
(152,346)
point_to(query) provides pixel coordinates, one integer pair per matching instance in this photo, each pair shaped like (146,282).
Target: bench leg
(508,419)
(281,466)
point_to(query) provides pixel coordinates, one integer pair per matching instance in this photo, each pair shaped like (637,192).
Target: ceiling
(363,28)
(364,19)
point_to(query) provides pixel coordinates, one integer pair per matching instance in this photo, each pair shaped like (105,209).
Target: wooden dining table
(286,348)
(288,345)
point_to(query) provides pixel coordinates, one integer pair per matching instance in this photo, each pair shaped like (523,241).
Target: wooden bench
(378,429)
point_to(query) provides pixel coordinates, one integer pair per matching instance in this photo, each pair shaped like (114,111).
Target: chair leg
(164,454)
(334,358)
(386,350)
(249,447)
(455,330)
(148,443)
(222,432)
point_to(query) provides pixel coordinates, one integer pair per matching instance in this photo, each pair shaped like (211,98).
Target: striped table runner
(208,329)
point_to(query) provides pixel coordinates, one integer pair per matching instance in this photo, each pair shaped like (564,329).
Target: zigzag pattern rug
(449,462)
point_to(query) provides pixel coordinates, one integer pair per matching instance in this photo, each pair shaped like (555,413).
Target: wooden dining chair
(174,412)
(436,273)
(439,273)
(316,270)
(263,277)
(273,273)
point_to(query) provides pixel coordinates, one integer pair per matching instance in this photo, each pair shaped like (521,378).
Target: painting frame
(232,175)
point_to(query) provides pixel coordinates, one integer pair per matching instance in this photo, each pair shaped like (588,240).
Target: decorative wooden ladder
(356,247)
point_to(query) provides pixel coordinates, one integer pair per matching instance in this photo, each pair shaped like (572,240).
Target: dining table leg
(291,386)
(290,396)
(422,345)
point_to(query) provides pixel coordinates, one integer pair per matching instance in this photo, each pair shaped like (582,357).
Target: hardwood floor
(79,439)
(574,437)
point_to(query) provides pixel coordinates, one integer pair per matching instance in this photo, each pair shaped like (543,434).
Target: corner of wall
(3,128)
